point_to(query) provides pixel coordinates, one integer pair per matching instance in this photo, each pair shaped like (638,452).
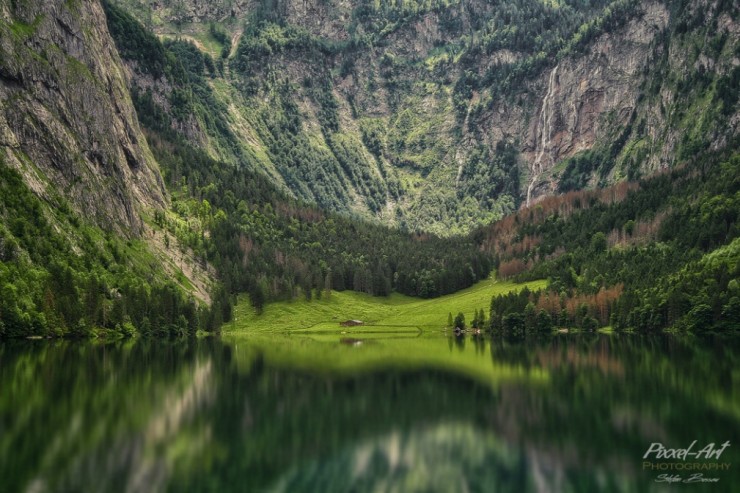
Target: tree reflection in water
(570,413)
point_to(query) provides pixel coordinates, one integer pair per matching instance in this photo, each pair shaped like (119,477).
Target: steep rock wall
(66,118)
(586,98)
(439,93)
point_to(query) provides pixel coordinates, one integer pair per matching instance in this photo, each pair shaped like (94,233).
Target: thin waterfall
(545,132)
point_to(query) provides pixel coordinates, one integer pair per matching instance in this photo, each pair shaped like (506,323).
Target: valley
(355,245)
(167,163)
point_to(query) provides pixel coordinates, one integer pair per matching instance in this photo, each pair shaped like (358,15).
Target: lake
(386,410)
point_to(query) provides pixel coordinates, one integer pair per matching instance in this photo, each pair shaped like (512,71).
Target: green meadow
(398,333)
(395,312)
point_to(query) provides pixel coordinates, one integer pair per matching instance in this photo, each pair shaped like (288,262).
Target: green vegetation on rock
(61,276)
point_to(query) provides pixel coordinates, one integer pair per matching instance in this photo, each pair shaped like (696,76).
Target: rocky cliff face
(66,118)
(584,99)
(443,115)
(603,98)
(321,17)
(202,10)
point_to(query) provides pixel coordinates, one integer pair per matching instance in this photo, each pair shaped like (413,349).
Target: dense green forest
(271,246)
(60,276)
(651,255)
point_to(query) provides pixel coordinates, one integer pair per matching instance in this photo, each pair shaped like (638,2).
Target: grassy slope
(396,310)
(401,332)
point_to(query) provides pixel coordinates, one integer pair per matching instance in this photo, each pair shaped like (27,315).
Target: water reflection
(102,417)
(310,413)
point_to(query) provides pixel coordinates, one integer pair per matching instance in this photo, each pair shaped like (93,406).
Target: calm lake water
(396,412)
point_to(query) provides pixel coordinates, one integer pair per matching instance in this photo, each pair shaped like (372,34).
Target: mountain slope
(66,118)
(78,184)
(91,243)
(442,115)
(660,253)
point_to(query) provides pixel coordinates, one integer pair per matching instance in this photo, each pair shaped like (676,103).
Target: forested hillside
(61,276)
(78,185)
(659,253)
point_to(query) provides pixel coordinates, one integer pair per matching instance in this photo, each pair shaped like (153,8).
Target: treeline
(62,277)
(525,313)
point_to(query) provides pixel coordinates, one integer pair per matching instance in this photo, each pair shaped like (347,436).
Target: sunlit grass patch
(394,311)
